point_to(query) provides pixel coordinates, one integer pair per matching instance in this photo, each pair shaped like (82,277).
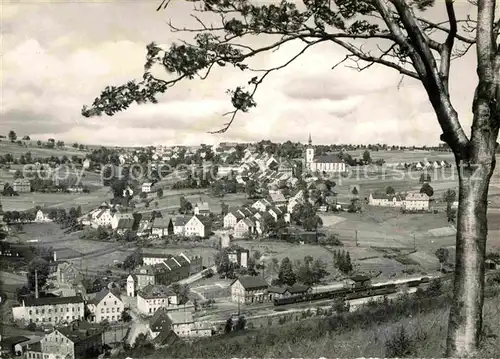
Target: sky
(59,54)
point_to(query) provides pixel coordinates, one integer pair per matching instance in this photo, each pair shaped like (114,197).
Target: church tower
(309,154)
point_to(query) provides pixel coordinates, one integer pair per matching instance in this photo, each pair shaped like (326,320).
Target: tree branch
(447,47)
(372,59)
(485,39)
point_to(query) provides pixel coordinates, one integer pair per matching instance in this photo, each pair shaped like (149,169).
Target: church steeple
(310,140)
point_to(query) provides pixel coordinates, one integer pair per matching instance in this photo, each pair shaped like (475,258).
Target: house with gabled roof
(232,218)
(277,197)
(202,209)
(245,227)
(153,297)
(385,200)
(50,310)
(163,226)
(106,305)
(198,226)
(122,222)
(261,205)
(275,212)
(179,223)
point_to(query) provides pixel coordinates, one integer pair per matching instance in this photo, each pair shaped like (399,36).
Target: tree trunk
(465,322)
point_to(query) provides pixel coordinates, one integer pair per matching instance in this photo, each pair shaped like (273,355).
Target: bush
(400,345)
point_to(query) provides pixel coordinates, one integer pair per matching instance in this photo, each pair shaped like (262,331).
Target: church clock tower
(309,154)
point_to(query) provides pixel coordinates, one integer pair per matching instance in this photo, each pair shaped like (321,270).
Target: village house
(67,343)
(122,222)
(239,256)
(183,324)
(295,200)
(15,345)
(21,185)
(106,305)
(415,201)
(86,164)
(286,167)
(195,262)
(141,277)
(179,223)
(42,217)
(65,273)
(147,187)
(102,217)
(171,270)
(50,310)
(385,200)
(248,290)
(198,226)
(201,209)
(262,205)
(287,291)
(277,197)
(244,228)
(162,227)
(232,218)
(275,212)
(153,297)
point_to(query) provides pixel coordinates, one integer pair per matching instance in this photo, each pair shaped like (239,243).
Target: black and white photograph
(249,179)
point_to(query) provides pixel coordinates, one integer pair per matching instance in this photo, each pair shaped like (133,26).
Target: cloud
(57,58)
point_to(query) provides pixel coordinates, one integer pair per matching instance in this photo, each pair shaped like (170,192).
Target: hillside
(31,146)
(405,328)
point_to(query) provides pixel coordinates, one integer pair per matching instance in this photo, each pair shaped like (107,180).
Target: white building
(153,297)
(106,306)
(232,218)
(146,187)
(416,202)
(50,310)
(261,205)
(122,221)
(385,200)
(323,163)
(42,217)
(102,217)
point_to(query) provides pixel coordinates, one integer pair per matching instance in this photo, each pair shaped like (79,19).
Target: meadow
(26,201)
(30,146)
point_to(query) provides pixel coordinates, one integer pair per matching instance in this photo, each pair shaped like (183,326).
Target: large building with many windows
(50,310)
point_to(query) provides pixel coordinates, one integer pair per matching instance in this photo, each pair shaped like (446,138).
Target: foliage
(390,191)
(342,261)
(427,189)
(367,158)
(400,345)
(126,317)
(413,45)
(133,260)
(286,276)
(182,292)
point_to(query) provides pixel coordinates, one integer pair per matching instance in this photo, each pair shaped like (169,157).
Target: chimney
(55,256)
(36,284)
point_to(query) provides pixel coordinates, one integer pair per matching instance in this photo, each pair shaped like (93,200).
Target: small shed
(358,281)
(13,345)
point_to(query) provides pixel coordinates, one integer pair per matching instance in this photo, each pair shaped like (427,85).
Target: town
(118,251)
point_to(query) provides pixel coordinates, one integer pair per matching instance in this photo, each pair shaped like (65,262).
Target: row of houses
(198,224)
(162,269)
(421,165)
(412,201)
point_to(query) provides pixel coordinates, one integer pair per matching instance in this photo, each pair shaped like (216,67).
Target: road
(139,325)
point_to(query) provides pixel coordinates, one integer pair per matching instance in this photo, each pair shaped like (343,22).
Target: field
(171,199)
(30,146)
(405,156)
(27,201)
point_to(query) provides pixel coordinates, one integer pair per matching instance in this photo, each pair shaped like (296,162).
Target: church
(323,163)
